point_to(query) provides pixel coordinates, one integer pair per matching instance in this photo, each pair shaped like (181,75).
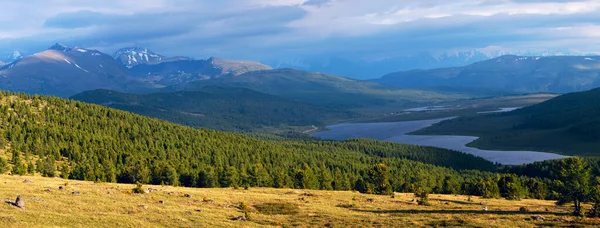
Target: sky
(271,29)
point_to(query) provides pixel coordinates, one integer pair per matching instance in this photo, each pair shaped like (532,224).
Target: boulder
(20,203)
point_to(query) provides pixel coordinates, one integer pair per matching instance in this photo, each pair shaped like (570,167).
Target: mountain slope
(65,71)
(91,142)
(568,124)
(175,72)
(320,88)
(512,73)
(231,109)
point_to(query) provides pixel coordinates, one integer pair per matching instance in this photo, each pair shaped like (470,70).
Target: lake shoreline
(399,132)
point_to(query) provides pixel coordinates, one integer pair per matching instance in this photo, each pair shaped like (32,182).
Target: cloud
(258,29)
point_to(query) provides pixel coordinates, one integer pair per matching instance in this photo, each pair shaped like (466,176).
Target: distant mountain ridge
(64,71)
(375,67)
(321,89)
(511,73)
(183,71)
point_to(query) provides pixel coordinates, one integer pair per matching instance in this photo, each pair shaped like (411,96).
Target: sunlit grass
(113,205)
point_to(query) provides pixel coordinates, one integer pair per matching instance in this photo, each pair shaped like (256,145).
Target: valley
(303,113)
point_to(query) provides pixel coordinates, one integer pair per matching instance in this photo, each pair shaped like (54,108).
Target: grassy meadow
(89,204)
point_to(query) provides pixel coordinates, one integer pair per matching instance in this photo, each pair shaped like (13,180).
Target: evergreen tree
(379,178)
(510,187)
(574,178)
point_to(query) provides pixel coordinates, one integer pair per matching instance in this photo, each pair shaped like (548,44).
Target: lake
(396,132)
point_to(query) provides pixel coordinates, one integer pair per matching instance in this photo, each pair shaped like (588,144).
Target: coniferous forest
(71,139)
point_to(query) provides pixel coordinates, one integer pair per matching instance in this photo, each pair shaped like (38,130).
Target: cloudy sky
(258,29)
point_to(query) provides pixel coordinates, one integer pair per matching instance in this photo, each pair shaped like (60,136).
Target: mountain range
(64,71)
(361,67)
(518,74)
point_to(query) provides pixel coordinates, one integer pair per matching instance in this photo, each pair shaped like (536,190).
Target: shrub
(138,189)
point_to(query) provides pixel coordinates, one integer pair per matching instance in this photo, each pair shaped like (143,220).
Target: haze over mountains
(361,67)
(518,74)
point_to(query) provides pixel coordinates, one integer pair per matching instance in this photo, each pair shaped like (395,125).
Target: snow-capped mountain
(64,71)
(372,67)
(133,56)
(11,57)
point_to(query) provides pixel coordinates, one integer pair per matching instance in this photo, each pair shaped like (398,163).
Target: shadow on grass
(11,203)
(491,212)
(456,201)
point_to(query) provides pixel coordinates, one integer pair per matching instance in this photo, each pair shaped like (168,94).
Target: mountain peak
(59,47)
(133,56)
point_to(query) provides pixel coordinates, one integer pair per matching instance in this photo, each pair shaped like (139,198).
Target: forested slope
(76,140)
(230,109)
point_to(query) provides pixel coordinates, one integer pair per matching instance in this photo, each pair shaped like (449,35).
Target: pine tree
(574,177)
(379,178)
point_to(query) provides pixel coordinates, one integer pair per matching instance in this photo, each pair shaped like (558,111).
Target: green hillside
(323,89)
(231,109)
(53,136)
(568,124)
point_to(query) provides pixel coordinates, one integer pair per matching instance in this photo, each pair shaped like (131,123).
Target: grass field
(88,204)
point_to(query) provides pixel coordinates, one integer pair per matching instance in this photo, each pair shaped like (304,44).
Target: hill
(568,124)
(231,109)
(509,73)
(112,205)
(65,71)
(82,141)
(322,89)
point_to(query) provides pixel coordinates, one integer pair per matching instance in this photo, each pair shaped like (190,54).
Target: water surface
(396,132)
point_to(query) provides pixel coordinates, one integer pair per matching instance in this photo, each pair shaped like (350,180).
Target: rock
(239,218)
(19,202)
(61,188)
(161,202)
(151,190)
(188,195)
(27,181)
(372,200)
(143,206)
(485,208)
(307,194)
(537,218)
(76,193)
